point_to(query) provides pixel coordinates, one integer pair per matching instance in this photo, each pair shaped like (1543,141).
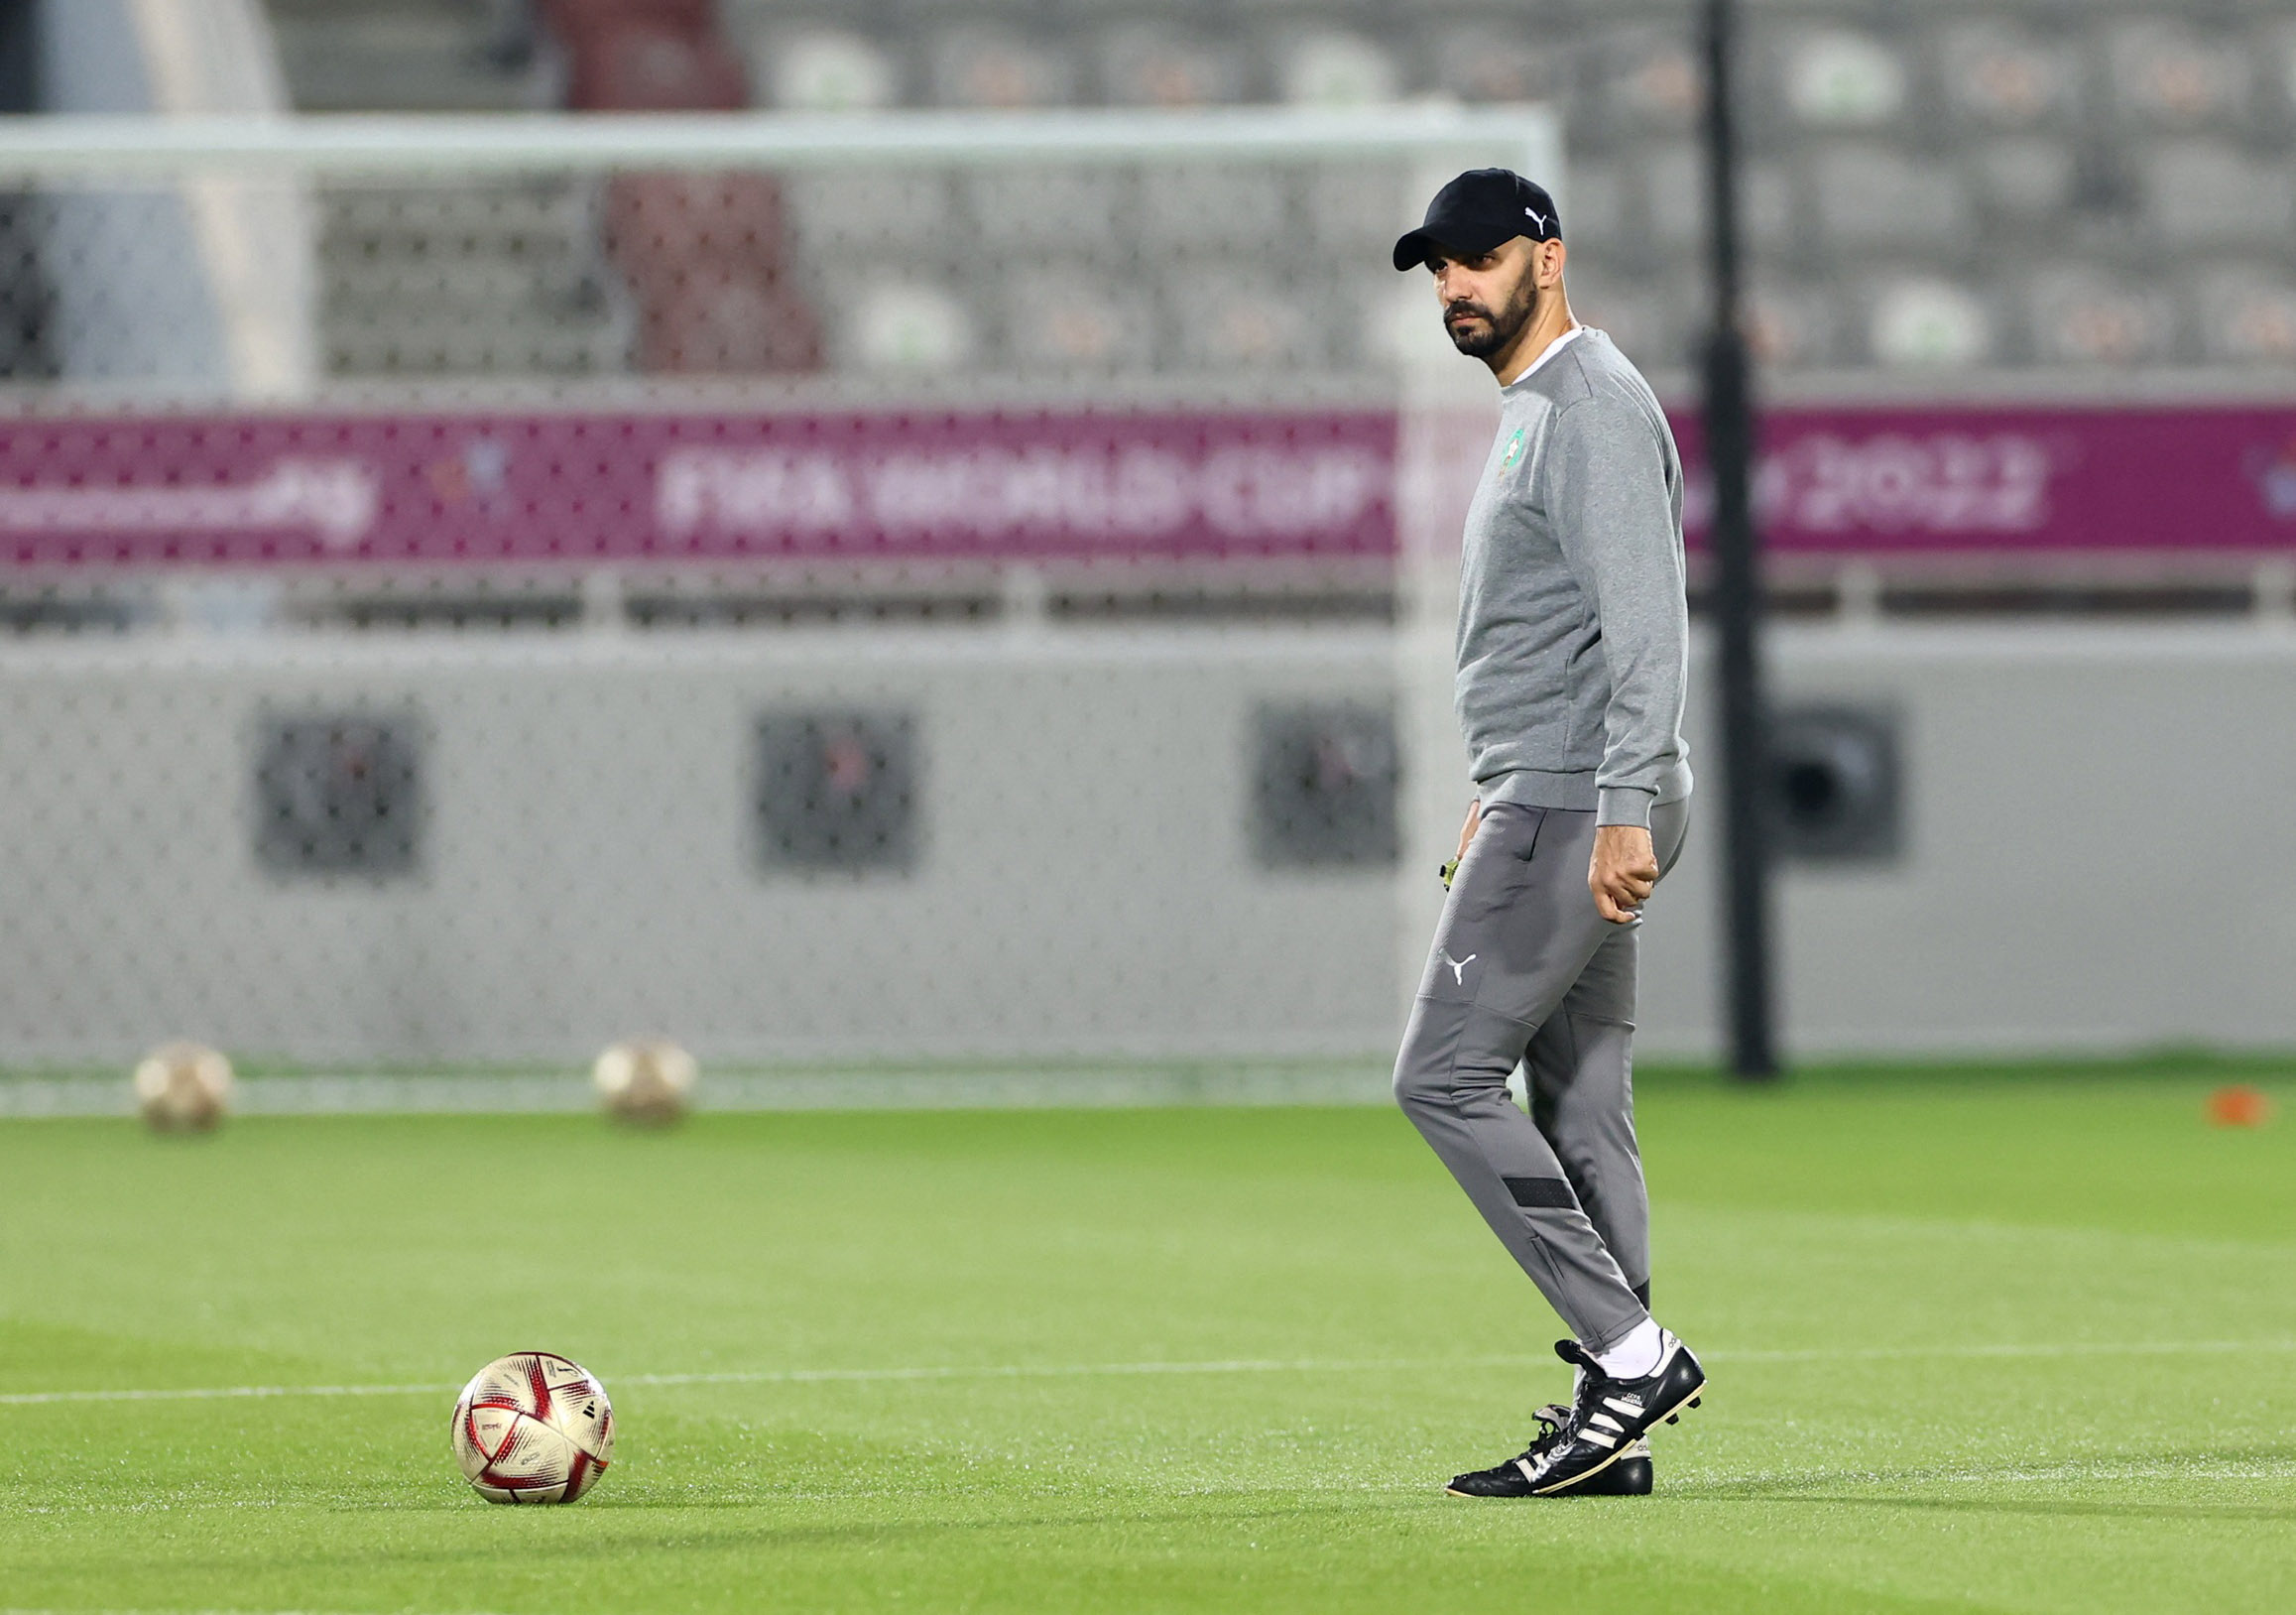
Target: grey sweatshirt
(1573,631)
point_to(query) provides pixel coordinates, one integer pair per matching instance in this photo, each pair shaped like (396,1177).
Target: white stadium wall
(2093,852)
(2088,852)
(589,865)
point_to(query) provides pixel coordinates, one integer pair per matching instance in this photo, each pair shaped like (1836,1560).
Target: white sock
(1634,1356)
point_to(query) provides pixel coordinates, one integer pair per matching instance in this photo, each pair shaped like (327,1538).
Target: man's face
(1488,298)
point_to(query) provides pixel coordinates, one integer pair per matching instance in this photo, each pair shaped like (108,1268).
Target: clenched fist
(1623,871)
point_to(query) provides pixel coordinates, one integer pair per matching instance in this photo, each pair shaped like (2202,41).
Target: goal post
(1122,386)
(395,145)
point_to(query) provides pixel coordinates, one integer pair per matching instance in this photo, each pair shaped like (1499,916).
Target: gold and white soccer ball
(533,1427)
(645,1081)
(183,1087)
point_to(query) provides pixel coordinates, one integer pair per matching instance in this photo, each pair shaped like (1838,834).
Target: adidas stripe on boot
(1631,1476)
(1609,1416)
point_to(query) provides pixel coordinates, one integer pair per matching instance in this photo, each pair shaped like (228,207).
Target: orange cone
(2239,1105)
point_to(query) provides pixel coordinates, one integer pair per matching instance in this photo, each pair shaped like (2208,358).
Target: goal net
(850,592)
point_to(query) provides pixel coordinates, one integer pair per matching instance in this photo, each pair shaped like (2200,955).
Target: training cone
(2239,1105)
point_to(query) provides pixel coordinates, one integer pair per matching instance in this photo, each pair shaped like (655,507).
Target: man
(1573,649)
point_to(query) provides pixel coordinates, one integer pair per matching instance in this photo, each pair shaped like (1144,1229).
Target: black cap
(1481,211)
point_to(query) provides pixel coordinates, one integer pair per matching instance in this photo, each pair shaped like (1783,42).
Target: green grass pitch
(1977,1343)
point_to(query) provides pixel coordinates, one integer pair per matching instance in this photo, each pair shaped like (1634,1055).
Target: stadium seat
(679,216)
(1476,63)
(409,56)
(1839,78)
(2207,192)
(2247,314)
(2275,55)
(913,324)
(1674,183)
(2080,315)
(500,277)
(1074,209)
(1226,317)
(869,211)
(1199,204)
(1921,321)
(2003,76)
(1653,322)
(1645,80)
(646,56)
(1352,209)
(703,254)
(1329,67)
(1073,316)
(2167,73)
(1792,323)
(1870,195)
(820,69)
(1911,174)
(1390,322)
(1598,207)
(1141,63)
(718,321)
(991,66)
(2024,178)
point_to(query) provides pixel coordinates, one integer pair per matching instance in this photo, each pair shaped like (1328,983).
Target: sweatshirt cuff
(1623,804)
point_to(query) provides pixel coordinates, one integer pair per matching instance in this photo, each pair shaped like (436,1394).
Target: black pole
(1738,601)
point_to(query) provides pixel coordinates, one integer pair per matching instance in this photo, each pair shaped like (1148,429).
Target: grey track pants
(1524,970)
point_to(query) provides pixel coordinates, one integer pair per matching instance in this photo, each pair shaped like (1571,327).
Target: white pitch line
(2057,1348)
(788,1376)
(30,1399)
(1242,1365)
(1063,1371)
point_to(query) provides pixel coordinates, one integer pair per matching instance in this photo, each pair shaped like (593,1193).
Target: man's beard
(1497,330)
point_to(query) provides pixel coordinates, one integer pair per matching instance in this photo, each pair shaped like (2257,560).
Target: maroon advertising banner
(473,488)
(479,488)
(1899,481)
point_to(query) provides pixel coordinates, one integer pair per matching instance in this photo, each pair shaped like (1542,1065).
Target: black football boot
(1609,1416)
(1630,1476)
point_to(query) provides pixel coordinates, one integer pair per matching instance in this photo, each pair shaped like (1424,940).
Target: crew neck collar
(1554,347)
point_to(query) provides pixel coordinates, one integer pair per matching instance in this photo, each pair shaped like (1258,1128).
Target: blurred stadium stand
(1949,185)
(1953,201)
(1949,199)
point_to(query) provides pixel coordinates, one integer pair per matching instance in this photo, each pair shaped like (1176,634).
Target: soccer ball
(533,1427)
(644,1081)
(183,1087)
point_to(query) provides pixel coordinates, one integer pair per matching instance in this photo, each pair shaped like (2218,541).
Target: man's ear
(1551,255)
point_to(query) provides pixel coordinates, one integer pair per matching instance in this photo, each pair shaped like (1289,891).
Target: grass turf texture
(2022,1265)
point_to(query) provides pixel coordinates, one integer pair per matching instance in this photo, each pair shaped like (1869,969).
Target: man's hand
(1466,836)
(1623,871)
